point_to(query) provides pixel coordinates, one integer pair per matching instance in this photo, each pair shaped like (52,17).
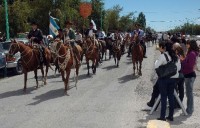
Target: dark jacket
(37,34)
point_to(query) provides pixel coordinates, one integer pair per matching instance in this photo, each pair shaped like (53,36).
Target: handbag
(167,70)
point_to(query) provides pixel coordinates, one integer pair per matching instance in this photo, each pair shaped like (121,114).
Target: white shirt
(162,61)
(79,37)
(91,34)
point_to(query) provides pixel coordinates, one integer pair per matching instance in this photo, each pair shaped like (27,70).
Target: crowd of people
(185,54)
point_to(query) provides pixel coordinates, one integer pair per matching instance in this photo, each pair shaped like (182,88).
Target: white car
(197,37)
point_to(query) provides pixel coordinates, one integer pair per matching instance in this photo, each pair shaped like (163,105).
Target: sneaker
(150,104)
(163,119)
(170,118)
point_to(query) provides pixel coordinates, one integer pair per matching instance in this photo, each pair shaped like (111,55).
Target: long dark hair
(193,46)
(168,48)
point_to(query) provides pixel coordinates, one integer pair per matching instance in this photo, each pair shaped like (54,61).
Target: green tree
(141,20)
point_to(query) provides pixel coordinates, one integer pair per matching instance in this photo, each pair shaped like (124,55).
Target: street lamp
(7,24)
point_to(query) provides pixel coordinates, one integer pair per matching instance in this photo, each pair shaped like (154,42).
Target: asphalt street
(113,98)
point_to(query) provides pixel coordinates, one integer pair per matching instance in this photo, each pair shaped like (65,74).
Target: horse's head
(14,47)
(136,38)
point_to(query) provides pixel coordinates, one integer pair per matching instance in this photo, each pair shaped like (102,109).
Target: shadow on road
(17,92)
(53,94)
(110,67)
(127,78)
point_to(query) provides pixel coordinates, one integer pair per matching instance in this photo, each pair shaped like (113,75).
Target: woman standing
(188,69)
(167,85)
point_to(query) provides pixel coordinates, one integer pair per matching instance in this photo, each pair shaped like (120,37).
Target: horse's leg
(36,77)
(45,78)
(42,70)
(140,68)
(94,64)
(67,81)
(25,80)
(77,73)
(88,67)
(133,67)
(118,59)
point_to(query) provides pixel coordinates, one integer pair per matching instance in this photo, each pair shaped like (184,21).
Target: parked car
(13,62)
(2,62)
(197,37)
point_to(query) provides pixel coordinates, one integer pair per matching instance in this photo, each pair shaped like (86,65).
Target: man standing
(35,36)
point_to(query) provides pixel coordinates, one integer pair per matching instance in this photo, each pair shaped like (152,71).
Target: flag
(94,25)
(53,27)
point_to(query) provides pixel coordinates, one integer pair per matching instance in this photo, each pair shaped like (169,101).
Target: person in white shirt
(167,85)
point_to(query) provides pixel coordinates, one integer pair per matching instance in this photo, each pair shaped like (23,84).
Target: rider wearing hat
(35,36)
(90,32)
(140,33)
(69,38)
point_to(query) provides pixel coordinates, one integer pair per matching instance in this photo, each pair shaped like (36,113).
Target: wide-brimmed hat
(69,22)
(34,23)
(137,24)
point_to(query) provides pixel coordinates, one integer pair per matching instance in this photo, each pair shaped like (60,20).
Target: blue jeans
(167,87)
(189,82)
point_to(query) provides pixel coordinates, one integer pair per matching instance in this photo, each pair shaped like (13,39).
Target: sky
(161,15)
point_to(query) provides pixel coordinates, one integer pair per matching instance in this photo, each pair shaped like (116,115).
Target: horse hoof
(45,83)
(66,94)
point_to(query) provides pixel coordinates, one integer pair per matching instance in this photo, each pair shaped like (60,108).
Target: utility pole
(7,24)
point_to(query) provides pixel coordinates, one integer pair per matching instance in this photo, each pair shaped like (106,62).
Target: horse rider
(140,33)
(79,38)
(91,34)
(69,39)
(60,35)
(35,36)
(101,34)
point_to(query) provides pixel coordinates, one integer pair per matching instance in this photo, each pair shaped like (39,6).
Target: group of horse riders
(68,36)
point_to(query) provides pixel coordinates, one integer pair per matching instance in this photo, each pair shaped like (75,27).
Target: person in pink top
(188,70)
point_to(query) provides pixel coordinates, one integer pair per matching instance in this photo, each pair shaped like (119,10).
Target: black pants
(144,47)
(154,94)
(180,90)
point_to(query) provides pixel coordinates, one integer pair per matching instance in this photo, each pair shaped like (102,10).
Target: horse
(103,49)
(67,61)
(92,53)
(30,60)
(117,52)
(137,55)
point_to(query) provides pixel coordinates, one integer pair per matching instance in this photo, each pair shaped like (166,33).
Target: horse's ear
(15,41)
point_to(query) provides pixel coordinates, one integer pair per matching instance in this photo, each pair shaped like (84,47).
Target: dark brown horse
(30,60)
(67,61)
(92,53)
(117,52)
(137,55)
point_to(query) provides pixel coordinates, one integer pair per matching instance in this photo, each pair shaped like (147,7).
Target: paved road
(112,98)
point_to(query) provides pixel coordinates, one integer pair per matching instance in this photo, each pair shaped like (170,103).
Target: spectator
(167,85)
(188,69)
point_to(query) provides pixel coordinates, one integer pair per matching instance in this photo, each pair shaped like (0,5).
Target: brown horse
(92,53)
(30,60)
(137,55)
(67,61)
(117,52)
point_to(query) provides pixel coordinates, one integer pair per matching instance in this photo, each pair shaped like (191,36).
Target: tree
(141,20)
(112,18)
(126,22)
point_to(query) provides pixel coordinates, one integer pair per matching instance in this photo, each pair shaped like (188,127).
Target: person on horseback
(60,35)
(140,33)
(35,36)
(69,38)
